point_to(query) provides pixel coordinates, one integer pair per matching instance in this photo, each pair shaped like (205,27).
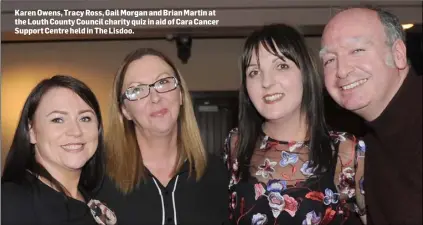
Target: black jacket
(34,203)
(184,201)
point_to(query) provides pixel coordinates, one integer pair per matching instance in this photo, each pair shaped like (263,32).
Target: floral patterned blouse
(281,189)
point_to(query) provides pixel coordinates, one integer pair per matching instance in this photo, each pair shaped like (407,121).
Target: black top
(393,165)
(33,202)
(183,201)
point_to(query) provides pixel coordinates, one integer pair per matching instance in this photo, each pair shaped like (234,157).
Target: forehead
(61,99)
(146,69)
(263,55)
(352,28)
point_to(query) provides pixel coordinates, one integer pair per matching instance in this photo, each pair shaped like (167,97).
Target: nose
(344,68)
(154,95)
(267,80)
(74,129)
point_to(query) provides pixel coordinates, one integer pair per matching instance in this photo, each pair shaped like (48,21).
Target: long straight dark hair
(21,156)
(290,43)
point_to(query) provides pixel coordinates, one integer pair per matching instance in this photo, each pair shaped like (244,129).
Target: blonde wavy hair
(124,164)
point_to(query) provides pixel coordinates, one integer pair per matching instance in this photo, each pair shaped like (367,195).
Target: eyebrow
(278,57)
(351,40)
(156,79)
(66,113)
(273,61)
(161,74)
(323,51)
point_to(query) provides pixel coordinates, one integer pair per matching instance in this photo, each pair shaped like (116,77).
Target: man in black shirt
(366,71)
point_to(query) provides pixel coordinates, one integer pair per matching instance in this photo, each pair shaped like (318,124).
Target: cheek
(94,145)
(370,61)
(296,81)
(91,132)
(296,88)
(290,81)
(48,140)
(174,97)
(330,69)
(136,109)
(364,64)
(173,101)
(46,135)
(91,137)
(330,83)
(253,90)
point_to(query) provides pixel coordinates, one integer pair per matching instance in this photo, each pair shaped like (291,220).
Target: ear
(125,112)
(399,52)
(32,136)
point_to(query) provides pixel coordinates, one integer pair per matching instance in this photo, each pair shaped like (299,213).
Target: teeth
(353,85)
(72,147)
(271,98)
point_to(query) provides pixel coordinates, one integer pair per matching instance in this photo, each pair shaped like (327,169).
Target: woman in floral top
(286,166)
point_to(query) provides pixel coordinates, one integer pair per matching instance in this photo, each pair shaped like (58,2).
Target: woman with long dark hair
(287,166)
(55,163)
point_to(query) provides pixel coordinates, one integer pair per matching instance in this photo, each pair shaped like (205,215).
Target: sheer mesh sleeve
(349,174)
(229,156)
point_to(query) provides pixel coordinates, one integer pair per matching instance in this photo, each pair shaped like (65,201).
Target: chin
(164,129)
(273,116)
(75,164)
(355,107)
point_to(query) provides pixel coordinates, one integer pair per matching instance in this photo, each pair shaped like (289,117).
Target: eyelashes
(279,67)
(85,119)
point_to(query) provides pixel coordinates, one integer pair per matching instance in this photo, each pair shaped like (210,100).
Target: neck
(69,179)
(289,128)
(158,150)
(375,109)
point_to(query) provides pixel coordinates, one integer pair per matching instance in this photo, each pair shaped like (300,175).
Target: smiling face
(361,70)
(274,85)
(64,130)
(158,112)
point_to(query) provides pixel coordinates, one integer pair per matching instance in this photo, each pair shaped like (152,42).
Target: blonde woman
(158,170)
